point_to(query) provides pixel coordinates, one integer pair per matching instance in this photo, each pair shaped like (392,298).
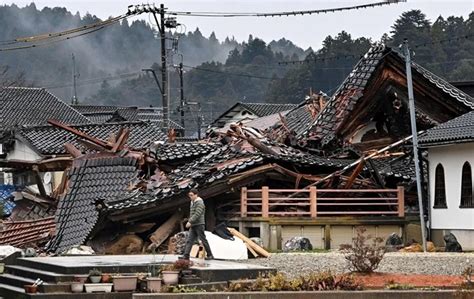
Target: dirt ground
(380,280)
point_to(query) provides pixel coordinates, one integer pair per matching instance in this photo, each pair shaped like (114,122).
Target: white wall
(452,157)
(22,151)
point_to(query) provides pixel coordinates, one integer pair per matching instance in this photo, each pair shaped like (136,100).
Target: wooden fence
(314,202)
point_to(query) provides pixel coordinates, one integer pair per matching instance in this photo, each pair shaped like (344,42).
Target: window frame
(439,198)
(466,200)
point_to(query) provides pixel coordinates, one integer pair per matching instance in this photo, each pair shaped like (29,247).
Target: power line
(48,42)
(229,73)
(280,14)
(95,80)
(358,56)
(49,38)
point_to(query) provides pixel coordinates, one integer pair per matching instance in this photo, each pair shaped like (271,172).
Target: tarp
(227,249)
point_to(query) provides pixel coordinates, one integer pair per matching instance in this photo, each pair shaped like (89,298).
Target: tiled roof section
(352,89)
(23,106)
(48,140)
(182,151)
(457,130)
(299,119)
(93,180)
(28,210)
(23,233)
(215,166)
(101,114)
(399,167)
(445,86)
(159,124)
(345,98)
(265,109)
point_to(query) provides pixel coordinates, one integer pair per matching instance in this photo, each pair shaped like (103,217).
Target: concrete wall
(22,151)
(459,221)
(452,158)
(321,236)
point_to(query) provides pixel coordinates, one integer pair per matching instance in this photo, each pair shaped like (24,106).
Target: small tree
(362,257)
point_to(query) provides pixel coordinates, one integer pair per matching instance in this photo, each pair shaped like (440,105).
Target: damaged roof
(22,233)
(457,130)
(185,150)
(26,106)
(91,181)
(327,124)
(48,140)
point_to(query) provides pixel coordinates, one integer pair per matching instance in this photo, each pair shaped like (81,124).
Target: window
(466,187)
(440,188)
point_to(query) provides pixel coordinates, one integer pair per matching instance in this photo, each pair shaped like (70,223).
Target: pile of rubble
(121,195)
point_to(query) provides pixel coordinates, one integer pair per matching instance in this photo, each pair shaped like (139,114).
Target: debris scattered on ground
(297,244)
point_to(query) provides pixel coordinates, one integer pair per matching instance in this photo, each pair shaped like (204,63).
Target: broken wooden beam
(71,149)
(121,140)
(354,175)
(78,133)
(165,230)
(251,243)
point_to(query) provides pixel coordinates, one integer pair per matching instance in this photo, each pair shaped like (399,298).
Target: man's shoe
(183,257)
(207,258)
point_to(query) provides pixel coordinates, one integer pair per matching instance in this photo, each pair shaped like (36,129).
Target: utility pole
(164,72)
(74,100)
(182,101)
(414,132)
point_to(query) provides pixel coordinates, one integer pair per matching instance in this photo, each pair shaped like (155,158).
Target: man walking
(195,225)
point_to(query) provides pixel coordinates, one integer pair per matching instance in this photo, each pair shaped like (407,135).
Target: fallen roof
(344,100)
(48,140)
(25,106)
(457,130)
(91,181)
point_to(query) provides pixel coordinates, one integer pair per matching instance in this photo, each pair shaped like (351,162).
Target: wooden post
(243,202)
(401,201)
(313,202)
(265,198)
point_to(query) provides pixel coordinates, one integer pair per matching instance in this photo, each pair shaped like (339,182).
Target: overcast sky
(305,31)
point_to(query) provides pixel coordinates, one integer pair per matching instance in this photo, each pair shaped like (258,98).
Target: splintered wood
(165,230)
(256,250)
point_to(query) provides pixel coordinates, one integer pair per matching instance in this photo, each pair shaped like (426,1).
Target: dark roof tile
(48,140)
(457,130)
(23,106)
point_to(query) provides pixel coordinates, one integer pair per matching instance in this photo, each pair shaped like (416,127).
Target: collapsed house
(316,169)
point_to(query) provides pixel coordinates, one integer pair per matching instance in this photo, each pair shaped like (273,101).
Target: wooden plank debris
(165,230)
(249,242)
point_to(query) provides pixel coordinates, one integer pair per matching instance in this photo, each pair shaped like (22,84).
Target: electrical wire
(229,73)
(340,57)
(95,80)
(280,14)
(49,42)
(49,38)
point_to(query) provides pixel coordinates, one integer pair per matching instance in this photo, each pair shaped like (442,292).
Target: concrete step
(33,273)
(14,280)
(11,292)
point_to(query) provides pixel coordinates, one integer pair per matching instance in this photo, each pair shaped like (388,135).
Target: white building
(450,149)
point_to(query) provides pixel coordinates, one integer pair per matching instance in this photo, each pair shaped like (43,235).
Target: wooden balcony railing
(314,202)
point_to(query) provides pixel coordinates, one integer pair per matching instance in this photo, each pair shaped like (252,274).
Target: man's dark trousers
(196,231)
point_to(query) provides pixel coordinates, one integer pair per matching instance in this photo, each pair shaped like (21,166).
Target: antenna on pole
(75,75)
